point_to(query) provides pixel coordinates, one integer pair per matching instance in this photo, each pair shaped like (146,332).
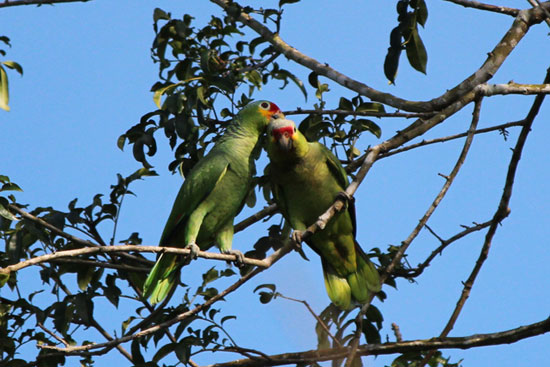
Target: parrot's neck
(239,138)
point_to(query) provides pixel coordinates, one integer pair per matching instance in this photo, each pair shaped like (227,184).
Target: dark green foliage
(414,359)
(405,36)
(200,67)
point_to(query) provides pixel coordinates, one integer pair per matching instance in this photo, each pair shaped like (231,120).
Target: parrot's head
(285,137)
(259,114)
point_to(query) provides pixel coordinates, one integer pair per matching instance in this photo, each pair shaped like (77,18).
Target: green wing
(200,182)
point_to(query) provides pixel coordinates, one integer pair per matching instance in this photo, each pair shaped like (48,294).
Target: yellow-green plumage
(306,179)
(211,196)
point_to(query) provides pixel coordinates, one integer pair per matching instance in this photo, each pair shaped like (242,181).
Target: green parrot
(211,196)
(306,178)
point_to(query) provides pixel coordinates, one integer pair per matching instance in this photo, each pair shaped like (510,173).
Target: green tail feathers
(356,286)
(161,279)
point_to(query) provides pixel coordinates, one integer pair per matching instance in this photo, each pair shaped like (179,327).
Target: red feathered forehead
(274,108)
(285,130)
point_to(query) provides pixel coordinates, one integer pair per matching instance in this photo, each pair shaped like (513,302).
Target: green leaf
(84,308)
(4,212)
(4,94)
(210,276)
(421,12)
(255,42)
(391,63)
(323,87)
(345,104)
(84,276)
(271,287)
(3,279)
(313,79)
(137,357)
(160,14)
(370,107)
(251,199)
(283,2)
(266,297)
(14,65)
(200,94)
(416,52)
(230,317)
(10,186)
(164,351)
(368,125)
(121,141)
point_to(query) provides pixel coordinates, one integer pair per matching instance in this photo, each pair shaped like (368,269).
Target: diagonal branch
(524,20)
(7,3)
(502,212)
(487,7)
(105,347)
(466,342)
(125,248)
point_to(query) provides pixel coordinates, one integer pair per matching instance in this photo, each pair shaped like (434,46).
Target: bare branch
(494,8)
(323,325)
(405,244)
(125,248)
(444,243)
(266,211)
(301,111)
(466,342)
(496,57)
(441,140)
(7,3)
(502,212)
(105,347)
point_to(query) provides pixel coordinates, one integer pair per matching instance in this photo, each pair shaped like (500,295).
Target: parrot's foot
(194,250)
(344,196)
(239,257)
(297,239)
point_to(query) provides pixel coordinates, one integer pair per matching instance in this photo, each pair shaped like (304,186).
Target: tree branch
(481,6)
(301,111)
(83,349)
(125,248)
(466,342)
(7,3)
(523,21)
(502,212)
(444,243)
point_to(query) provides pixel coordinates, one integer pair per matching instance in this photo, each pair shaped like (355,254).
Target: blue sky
(87,78)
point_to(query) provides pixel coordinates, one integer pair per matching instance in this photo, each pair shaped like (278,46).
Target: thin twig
(7,3)
(445,139)
(122,249)
(301,111)
(501,212)
(52,334)
(266,211)
(323,325)
(411,273)
(487,7)
(105,347)
(101,264)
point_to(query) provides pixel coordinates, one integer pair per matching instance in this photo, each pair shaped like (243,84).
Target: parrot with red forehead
(213,193)
(306,179)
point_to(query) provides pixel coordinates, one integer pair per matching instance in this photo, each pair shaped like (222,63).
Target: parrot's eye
(264,105)
(294,128)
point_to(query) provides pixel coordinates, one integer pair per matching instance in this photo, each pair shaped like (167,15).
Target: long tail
(161,279)
(356,286)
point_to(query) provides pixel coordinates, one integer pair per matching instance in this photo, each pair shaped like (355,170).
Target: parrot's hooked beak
(284,137)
